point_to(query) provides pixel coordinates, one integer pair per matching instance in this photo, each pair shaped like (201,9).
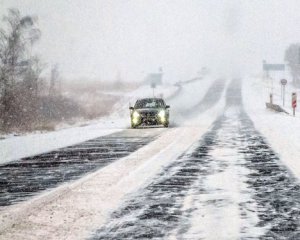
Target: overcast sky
(99,39)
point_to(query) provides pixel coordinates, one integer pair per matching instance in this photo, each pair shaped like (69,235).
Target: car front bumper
(149,121)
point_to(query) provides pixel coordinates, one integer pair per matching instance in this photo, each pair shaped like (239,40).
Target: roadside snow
(272,85)
(282,131)
(14,148)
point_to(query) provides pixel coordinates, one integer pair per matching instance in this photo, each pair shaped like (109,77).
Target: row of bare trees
(23,102)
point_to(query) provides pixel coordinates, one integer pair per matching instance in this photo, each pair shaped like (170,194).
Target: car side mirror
(167,106)
(131,108)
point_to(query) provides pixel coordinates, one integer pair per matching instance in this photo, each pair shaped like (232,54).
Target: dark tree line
(23,102)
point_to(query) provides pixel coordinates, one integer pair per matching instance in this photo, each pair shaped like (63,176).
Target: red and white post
(294,102)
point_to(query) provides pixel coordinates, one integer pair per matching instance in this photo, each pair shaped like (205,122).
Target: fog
(130,38)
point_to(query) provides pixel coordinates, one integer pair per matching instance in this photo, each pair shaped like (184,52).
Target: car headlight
(135,117)
(162,114)
(135,114)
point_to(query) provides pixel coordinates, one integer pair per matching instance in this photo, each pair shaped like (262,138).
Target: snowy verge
(282,131)
(15,148)
(74,210)
(271,85)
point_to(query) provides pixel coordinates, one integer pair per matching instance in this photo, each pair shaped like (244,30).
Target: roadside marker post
(294,102)
(283,83)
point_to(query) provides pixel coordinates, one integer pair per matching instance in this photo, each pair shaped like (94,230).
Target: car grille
(148,115)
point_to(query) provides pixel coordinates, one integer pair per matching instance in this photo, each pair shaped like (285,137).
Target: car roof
(149,99)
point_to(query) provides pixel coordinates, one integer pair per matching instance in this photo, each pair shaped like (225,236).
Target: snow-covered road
(230,185)
(213,177)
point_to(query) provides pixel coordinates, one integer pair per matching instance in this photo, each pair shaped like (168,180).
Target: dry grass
(97,98)
(99,105)
(49,126)
(79,101)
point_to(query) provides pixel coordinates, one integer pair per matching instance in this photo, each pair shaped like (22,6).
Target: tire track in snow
(277,192)
(229,185)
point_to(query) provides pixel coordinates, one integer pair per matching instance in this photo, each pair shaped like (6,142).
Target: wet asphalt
(229,185)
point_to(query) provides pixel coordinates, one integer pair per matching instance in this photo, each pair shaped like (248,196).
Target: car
(149,111)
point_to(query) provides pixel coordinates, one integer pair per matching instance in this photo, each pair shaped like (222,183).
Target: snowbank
(14,148)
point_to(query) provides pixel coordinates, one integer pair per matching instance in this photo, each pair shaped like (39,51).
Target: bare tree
(24,102)
(292,56)
(17,36)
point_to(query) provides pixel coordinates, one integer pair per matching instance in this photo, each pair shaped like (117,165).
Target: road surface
(231,185)
(228,184)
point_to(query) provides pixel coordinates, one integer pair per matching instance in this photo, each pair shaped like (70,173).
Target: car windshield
(150,103)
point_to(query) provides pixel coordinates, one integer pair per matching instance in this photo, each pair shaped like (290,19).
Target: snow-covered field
(281,130)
